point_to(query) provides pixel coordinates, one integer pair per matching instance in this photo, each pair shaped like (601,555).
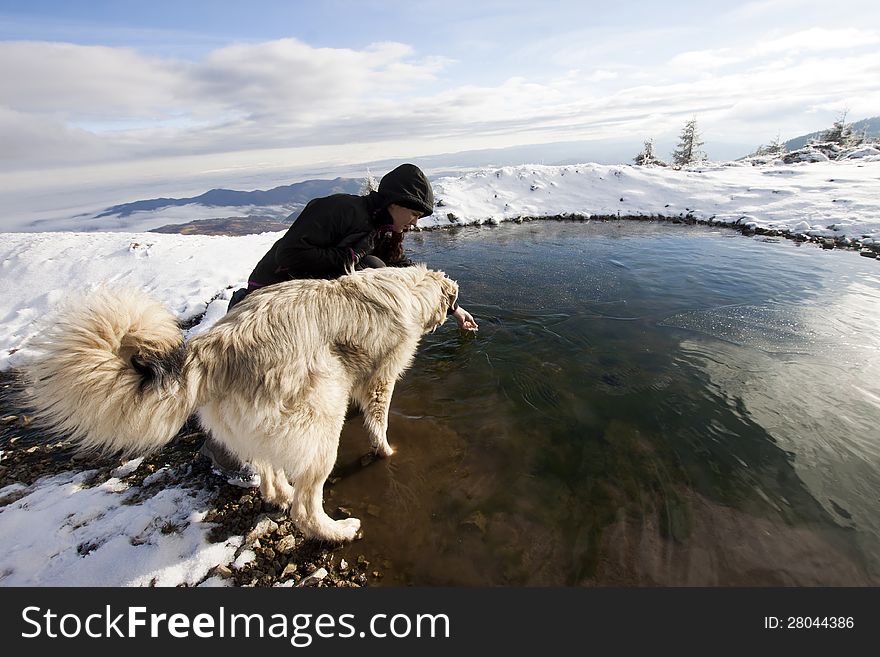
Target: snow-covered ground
(831,199)
(41,529)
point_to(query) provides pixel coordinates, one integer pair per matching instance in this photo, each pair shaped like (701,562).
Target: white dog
(271,381)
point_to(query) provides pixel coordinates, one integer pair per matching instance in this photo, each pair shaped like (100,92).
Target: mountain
(872,125)
(291,196)
(225,226)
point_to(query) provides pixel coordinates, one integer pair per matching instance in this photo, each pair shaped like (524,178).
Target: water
(643,405)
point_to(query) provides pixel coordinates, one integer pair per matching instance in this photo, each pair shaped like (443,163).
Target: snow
(58,531)
(842,198)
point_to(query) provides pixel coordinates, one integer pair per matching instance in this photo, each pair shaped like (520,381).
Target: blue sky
(135,90)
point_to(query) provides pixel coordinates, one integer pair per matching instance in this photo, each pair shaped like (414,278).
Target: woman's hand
(464,319)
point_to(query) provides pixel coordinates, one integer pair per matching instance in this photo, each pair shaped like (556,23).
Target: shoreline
(747,228)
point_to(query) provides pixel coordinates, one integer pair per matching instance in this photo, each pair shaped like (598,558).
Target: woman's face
(403,218)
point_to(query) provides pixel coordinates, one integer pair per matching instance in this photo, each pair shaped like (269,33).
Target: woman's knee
(370,262)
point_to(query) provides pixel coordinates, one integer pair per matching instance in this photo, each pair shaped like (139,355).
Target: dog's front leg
(376,415)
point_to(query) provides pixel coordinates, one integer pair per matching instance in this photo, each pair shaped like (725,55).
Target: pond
(643,404)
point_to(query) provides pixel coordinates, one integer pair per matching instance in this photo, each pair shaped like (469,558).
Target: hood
(407,186)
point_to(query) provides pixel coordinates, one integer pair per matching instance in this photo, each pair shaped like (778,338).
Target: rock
(345,511)
(8,419)
(476,519)
(289,571)
(223,571)
(315,578)
(286,545)
(264,526)
(343,565)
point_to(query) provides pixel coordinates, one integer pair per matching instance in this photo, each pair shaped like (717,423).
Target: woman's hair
(389,247)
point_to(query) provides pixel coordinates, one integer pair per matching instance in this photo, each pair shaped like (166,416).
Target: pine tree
(369,184)
(688,151)
(647,157)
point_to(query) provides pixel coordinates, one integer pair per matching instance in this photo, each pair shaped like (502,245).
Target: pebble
(223,571)
(264,526)
(286,545)
(315,578)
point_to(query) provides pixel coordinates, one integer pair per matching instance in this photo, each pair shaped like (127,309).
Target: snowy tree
(841,133)
(775,148)
(688,151)
(647,157)
(370,184)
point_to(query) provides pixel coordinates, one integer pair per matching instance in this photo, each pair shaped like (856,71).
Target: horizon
(192,96)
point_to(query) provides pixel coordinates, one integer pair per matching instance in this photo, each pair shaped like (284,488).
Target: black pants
(238,296)
(367,262)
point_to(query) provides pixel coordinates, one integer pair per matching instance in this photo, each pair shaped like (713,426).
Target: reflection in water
(642,405)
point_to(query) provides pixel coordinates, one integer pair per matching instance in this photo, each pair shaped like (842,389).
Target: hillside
(872,124)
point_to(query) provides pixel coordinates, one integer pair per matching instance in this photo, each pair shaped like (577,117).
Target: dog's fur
(271,381)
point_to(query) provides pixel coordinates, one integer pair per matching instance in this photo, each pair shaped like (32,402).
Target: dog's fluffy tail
(113,373)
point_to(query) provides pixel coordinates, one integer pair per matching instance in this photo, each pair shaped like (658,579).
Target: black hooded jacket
(332,232)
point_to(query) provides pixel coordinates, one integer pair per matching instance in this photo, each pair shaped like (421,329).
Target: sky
(44,525)
(178,97)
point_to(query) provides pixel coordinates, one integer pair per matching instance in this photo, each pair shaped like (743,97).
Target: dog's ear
(450,292)
(444,292)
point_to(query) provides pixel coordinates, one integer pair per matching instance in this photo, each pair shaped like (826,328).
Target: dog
(272,380)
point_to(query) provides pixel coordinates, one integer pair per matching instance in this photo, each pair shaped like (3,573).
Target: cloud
(75,81)
(277,92)
(34,138)
(65,103)
(813,40)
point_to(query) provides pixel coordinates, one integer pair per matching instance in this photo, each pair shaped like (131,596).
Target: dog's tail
(113,374)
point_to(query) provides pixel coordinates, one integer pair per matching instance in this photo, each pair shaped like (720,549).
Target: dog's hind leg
(274,486)
(376,403)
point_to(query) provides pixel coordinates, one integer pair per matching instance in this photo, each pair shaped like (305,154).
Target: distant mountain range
(872,125)
(225,226)
(293,197)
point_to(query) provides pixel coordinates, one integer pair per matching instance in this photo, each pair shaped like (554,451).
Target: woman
(343,230)
(331,235)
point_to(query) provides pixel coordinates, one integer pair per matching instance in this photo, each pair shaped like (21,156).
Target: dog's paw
(277,504)
(346,529)
(384,451)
